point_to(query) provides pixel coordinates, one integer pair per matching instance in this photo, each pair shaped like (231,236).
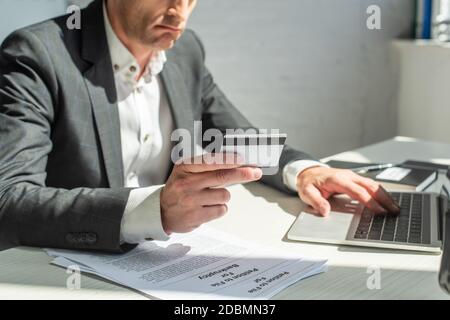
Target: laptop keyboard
(405,227)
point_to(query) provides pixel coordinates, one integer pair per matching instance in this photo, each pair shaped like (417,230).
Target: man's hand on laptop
(316,185)
(194,193)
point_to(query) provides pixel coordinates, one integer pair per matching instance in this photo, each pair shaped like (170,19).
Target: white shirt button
(147,137)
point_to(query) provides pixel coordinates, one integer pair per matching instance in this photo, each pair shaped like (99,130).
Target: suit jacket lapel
(178,96)
(101,86)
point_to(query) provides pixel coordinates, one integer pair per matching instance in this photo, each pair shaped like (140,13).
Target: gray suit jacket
(61,175)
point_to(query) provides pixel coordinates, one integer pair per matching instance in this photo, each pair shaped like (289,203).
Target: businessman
(86,117)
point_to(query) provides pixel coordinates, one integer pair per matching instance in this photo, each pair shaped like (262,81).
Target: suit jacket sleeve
(219,112)
(32,213)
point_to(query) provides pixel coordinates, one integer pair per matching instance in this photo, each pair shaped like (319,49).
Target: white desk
(261,214)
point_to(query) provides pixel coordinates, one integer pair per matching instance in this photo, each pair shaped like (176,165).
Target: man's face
(155,23)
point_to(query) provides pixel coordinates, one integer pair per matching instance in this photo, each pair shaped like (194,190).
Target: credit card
(260,150)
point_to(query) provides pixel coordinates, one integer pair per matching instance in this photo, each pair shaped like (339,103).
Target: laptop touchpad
(332,229)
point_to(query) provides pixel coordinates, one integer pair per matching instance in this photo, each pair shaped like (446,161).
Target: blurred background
(312,67)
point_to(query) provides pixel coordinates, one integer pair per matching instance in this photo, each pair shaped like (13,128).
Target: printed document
(204,264)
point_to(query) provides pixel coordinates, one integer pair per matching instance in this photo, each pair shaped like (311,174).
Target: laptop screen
(445,192)
(443,210)
(444,272)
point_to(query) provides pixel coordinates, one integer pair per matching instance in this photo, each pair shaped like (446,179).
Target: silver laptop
(418,227)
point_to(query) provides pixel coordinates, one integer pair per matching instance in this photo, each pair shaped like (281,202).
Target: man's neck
(143,54)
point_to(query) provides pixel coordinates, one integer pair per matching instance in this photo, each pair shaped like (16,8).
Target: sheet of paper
(205,264)
(394,174)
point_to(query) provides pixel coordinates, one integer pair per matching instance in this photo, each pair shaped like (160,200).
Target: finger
(211,162)
(379,194)
(210,213)
(360,194)
(211,197)
(312,196)
(225,177)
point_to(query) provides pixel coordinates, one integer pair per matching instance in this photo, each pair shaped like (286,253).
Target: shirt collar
(123,61)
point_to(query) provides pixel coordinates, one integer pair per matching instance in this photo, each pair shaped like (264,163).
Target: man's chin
(165,42)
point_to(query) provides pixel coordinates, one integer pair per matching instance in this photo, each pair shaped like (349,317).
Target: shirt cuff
(292,170)
(142,217)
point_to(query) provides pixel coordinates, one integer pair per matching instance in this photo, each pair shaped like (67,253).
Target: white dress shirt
(146,124)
